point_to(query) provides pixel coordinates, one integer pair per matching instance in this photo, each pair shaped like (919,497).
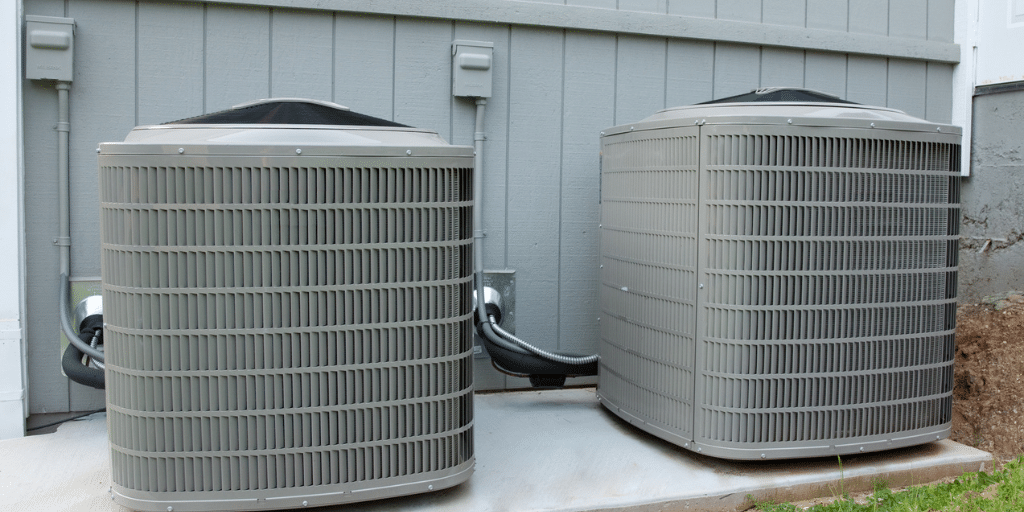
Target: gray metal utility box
(288,309)
(779,276)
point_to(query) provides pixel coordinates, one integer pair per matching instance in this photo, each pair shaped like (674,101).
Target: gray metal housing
(779,279)
(288,315)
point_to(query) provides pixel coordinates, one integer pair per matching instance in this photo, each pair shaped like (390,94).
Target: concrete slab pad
(552,451)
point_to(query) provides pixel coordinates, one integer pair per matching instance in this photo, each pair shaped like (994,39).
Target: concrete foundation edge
(741,500)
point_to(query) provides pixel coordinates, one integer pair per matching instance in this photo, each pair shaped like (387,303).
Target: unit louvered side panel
(648,259)
(829,264)
(282,333)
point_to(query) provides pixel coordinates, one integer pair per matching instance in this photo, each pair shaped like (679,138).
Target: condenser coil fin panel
(286,331)
(649,266)
(820,309)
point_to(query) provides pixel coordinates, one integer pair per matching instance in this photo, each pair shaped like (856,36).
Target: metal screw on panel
(170,509)
(602,133)
(686,445)
(298,151)
(430,487)
(408,151)
(938,128)
(861,448)
(698,448)
(762,455)
(701,286)
(305,503)
(790,121)
(97,150)
(600,266)
(872,125)
(181,150)
(630,128)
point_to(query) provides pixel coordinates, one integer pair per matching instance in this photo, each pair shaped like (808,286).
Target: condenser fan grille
(783,290)
(285,333)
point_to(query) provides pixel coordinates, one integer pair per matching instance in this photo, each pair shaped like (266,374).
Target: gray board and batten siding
(563,72)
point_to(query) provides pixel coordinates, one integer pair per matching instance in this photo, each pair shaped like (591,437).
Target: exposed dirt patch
(988,393)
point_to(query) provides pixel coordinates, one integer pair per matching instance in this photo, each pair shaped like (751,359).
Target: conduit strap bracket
(62,241)
(479,233)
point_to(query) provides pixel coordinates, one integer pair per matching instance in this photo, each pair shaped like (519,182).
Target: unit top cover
(285,126)
(785,106)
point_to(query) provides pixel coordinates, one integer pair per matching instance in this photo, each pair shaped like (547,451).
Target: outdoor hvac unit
(779,276)
(288,309)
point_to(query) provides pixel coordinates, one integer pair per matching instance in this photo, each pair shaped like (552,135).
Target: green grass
(999,491)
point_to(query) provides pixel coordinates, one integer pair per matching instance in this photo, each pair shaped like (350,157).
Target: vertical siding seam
(615,83)
(847,24)
(561,202)
(714,60)
(927,31)
(887,82)
(760,66)
(664,87)
(394,65)
(451,101)
(888,28)
(803,80)
(927,65)
(270,53)
(508,136)
(206,30)
(846,77)
(760,62)
(334,56)
(136,70)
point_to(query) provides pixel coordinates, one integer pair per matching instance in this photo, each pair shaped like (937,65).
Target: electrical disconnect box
(49,47)
(471,68)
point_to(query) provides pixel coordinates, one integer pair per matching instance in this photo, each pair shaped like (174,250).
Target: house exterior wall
(991,252)
(563,72)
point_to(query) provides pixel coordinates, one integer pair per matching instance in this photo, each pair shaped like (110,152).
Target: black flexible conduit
(91,330)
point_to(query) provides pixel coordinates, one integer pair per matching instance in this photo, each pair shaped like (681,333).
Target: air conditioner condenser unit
(287,296)
(779,276)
